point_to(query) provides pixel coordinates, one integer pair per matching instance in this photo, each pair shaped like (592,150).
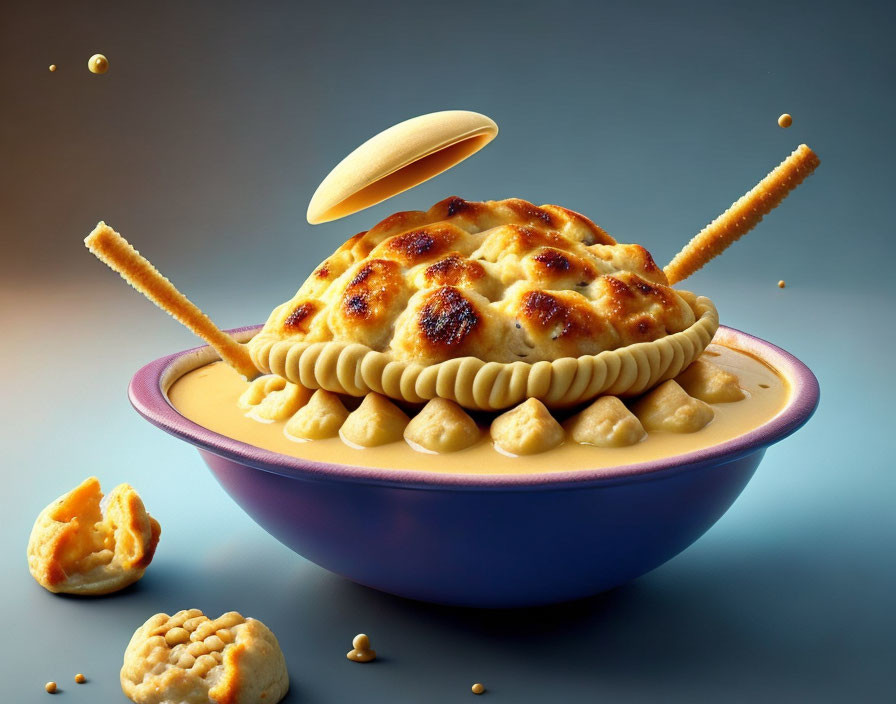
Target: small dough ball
(710,383)
(79,546)
(320,418)
(527,429)
(785,120)
(98,64)
(605,423)
(377,421)
(192,659)
(668,407)
(272,398)
(442,426)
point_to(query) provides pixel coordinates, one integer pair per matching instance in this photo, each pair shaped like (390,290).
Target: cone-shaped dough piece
(377,421)
(710,383)
(77,547)
(668,407)
(605,423)
(527,429)
(442,426)
(271,398)
(320,418)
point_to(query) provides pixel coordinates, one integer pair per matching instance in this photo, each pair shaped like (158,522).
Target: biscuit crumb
(52,68)
(80,679)
(361,650)
(478,688)
(50,687)
(83,543)
(98,64)
(781,284)
(785,120)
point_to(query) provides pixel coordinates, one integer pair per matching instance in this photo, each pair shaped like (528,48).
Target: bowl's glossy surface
(483,540)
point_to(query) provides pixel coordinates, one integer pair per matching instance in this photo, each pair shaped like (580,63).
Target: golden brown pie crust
(485,304)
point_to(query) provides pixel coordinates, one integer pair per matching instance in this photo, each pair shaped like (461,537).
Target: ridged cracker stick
(116,252)
(743,215)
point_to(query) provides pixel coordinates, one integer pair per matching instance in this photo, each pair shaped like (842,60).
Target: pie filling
(724,394)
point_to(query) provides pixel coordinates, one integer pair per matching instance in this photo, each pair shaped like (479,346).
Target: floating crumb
(98,63)
(80,679)
(785,120)
(361,650)
(52,68)
(478,688)
(781,284)
(50,687)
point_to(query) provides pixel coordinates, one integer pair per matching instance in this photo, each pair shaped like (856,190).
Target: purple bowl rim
(146,395)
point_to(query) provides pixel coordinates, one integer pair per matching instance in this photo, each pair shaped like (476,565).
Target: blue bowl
(483,540)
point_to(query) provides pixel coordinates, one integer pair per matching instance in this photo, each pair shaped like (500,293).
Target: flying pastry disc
(399,158)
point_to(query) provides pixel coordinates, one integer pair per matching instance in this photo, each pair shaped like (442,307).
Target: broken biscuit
(271,398)
(710,383)
(527,429)
(668,407)
(80,546)
(377,421)
(189,658)
(442,426)
(605,423)
(320,418)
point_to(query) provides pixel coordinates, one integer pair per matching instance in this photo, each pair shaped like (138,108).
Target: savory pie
(485,304)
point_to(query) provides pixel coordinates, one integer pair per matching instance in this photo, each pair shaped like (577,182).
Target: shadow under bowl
(483,540)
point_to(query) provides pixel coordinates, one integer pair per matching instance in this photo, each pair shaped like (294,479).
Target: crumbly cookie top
(190,658)
(502,281)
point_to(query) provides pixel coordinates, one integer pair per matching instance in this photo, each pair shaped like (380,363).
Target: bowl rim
(150,400)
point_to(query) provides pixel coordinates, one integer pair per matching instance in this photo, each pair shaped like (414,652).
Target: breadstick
(115,251)
(743,215)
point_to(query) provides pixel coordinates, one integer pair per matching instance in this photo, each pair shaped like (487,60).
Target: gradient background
(203,144)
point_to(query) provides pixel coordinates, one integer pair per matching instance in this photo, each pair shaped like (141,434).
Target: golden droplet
(52,68)
(785,120)
(98,64)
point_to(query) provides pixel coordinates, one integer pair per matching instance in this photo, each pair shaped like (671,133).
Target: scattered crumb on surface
(361,650)
(80,679)
(50,687)
(781,284)
(478,688)
(52,67)
(785,120)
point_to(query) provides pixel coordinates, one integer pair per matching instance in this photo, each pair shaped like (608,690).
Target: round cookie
(191,659)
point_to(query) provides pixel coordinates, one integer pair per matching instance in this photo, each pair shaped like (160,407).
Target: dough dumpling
(377,421)
(271,398)
(442,426)
(605,423)
(710,383)
(668,407)
(527,429)
(320,418)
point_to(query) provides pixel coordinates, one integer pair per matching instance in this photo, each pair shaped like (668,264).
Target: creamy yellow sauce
(208,396)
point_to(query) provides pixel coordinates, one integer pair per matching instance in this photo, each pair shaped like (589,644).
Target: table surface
(203,144)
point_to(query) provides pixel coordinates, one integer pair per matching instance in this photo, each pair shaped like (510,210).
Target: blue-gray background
(203,144)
